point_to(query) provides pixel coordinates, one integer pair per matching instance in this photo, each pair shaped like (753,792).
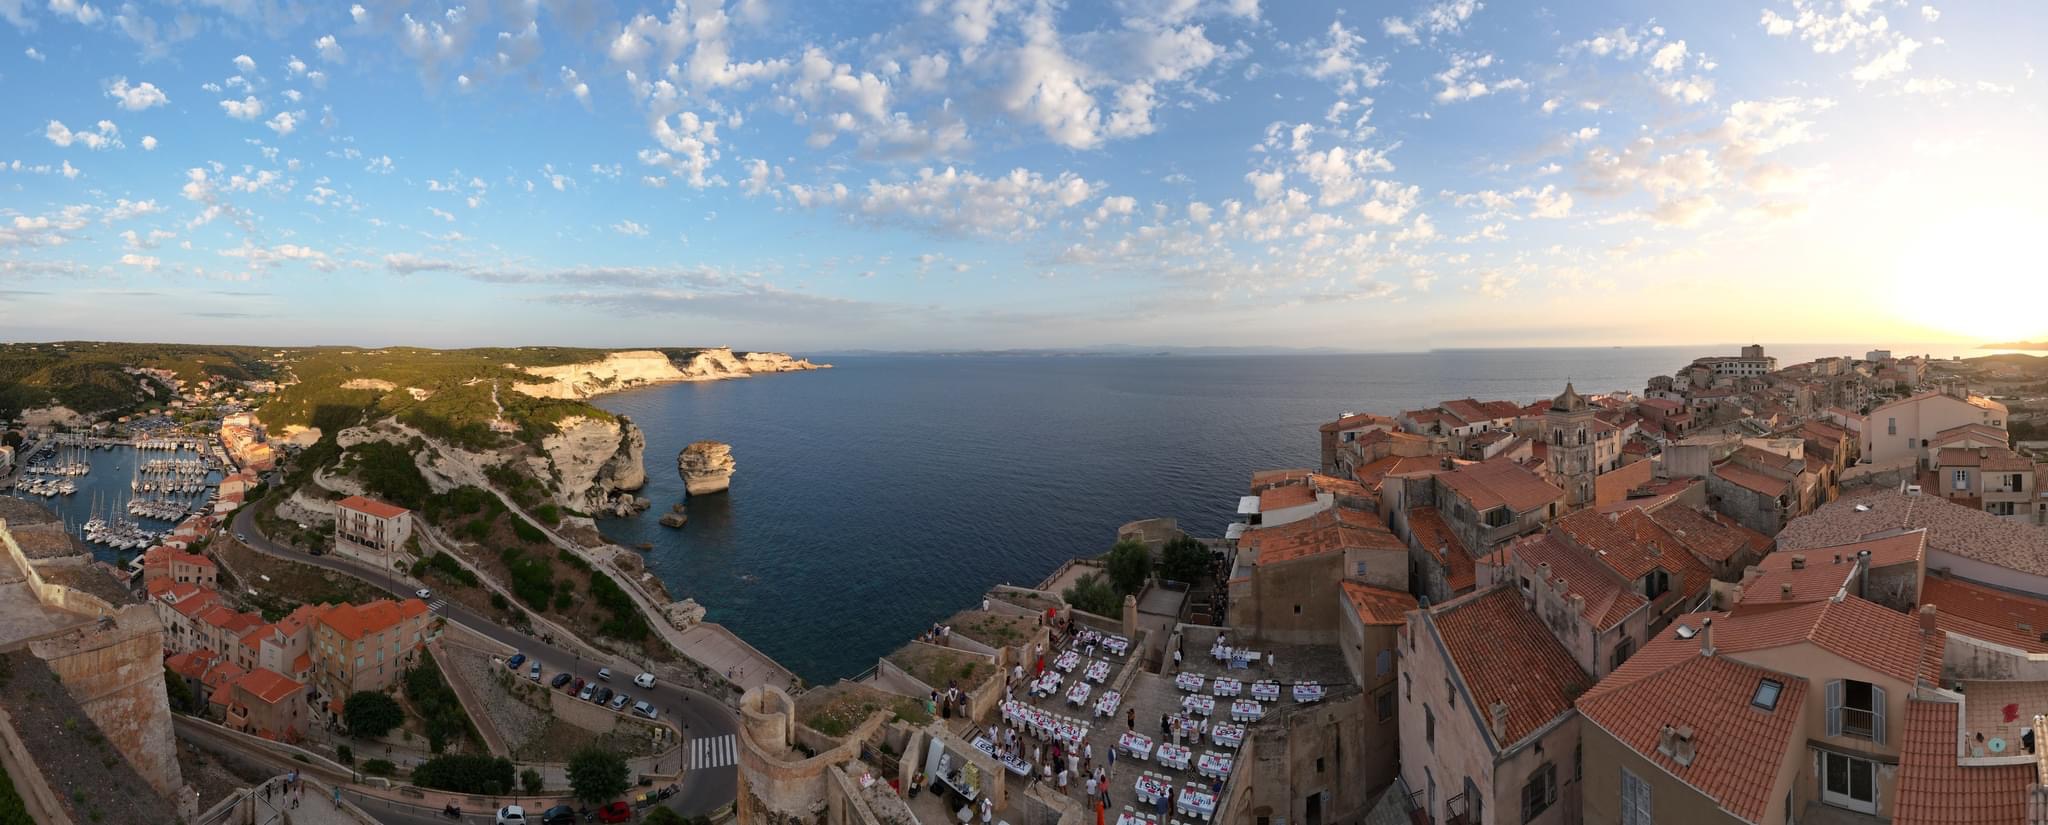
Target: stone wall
(114,670)
(586,715)
(36,797)
(777,784)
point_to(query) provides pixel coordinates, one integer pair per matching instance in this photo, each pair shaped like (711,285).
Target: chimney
(1497,718)
(1682,748)
(1578,605)
(1785,590)
(1838,558)
(1707,637)
(1927,619)
(1862,572)
(1799,561)
(1667,740)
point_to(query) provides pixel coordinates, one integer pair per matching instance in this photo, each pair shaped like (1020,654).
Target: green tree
(1184,560)
(530,779)
(1129,564)
(370,714)
(1093,594)
(597,775)
(663,816)
(465,773)
(180,693)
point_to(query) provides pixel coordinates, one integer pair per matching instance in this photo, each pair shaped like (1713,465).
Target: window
(1656,583)
(1429,726)
(1635,800)
(1319,764)
(1540,792)
(1498,517)
(1385,702)
(1578,762)
(1766,696)
(1891,426)
(1452,691)
(1961,479)
(1622,650)
(1386,661)
(1409,679)
(1856,709)
(1297,610)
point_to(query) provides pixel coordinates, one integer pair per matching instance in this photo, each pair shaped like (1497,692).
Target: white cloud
(248,108)
(575,85)
(330,49)
(244,64)
(85,13)
(125,209)
(627,227)
(1337,58)
(443,214)
(105,136)
(285,122)
(149,143)
(1930,13)
(1892,61)
(1670,58)
(1461,80)
(955,202)
(33,54)
(1399,29)
(147,263)
(359,14)
(265,257)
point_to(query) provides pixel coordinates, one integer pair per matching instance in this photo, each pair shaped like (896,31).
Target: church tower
(1568,429)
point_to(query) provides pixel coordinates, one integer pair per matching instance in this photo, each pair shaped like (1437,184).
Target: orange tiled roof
(1426,526)
(354,621)
(1813,583)
(1375,472)
(1999,609)
(1904,548)
(269,685)
(1860,631)
(191,664)
(1267,478)
(1330,531)
(1709,534)
(1503,653)
(1750,479)
(1738,747)
(1336,486)
(1352,422)
(1952,528)
(1285,496)
(1934,790)
(1378,605)
(1970,432)
(1500,482)
(1633,544)
(1609,597)
(372,506)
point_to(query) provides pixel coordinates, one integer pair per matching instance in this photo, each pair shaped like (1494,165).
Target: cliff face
(637,368)
(706,467)
(596,460)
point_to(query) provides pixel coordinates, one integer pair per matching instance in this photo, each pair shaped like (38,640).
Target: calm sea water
(104,493)
(877,497)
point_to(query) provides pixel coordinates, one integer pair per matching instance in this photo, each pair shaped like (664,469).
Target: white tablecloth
(1214,765)
(1174,756)
(1066,661)
(1198,703)
(1116,644)
(1078,694)
(1306,692)
(1135,744)
(1227,735)
(1197,802)
(1226,687)
(1106,704)
(1266,691)
(1244,710)
(1188,681)
(1098,672)
(1150,790)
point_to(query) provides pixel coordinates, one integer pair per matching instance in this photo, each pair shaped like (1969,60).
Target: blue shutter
(1877,714)
(1835,707)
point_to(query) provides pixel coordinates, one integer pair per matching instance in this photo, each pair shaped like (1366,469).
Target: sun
(1978,274)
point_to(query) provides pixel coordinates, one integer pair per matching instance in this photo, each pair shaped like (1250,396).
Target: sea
(875,498)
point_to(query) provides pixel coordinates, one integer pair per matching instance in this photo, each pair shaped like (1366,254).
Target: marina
(120,496)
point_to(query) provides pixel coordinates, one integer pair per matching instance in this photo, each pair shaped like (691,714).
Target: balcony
(1456,811)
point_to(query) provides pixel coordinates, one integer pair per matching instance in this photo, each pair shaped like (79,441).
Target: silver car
(619,701)
(644,709)
(534,673)
(587,691)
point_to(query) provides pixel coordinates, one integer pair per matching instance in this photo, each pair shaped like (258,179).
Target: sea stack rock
(675,517)
(706,467)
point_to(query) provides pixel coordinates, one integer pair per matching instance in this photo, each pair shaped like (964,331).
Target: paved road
(708,782)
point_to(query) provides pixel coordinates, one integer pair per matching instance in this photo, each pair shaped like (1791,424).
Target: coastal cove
(875,498)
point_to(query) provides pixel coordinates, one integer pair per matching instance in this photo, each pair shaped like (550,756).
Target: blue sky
(775,174)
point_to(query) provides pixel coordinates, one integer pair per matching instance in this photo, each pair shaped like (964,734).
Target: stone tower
(1568,431)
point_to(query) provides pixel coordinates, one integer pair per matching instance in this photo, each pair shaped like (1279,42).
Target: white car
(424,594)
(645,680)
(644,709)
(511,815)
(604,674)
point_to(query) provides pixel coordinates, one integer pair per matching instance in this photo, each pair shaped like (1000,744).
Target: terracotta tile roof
(1330,531)
(269,686)
(1934,790)
(1423,417)
(2021,620)
(221,673)
(1375,472)
(1816,428)
(1957,457)
(1750,479)
(1633,544)
(1426,526)
(1814,583)
(1970,432)
(1860,631)
(1709,535)
(1268,478)
(1503,653)
(1498,482)
(1356,421)
(191,664)
(1951,528)
(1756,457)
(1472,410)
(1501,409)
(372,507)
(1904,548)
(1992,459)
(1609,597)
(1378,605)
(354,621)
(1285,496)
(1661,405)
(1738,747)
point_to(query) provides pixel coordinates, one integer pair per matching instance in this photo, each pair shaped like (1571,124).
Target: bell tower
(1569,437)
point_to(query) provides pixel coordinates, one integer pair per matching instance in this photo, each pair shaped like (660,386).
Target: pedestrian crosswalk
(713,752)
(435,605)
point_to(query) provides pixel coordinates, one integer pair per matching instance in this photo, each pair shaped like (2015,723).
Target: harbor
(119,495)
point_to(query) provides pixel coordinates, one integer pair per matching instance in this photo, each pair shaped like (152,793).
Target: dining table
(1011,762)
(1175,756)
(1227,734)
(1214,765)
(1136,818)
(1136,744)
(1197,703)
(1245,710)
(1151,788)
(1266,690)
(1116,644)
(1190,682)
(1226,686)
(1098,671)
(1078,694)
(1106,704)
(1196,802)
(1306,692)
(1066,661)
(1046,684)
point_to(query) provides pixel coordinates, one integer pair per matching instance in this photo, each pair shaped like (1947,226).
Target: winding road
(709,729)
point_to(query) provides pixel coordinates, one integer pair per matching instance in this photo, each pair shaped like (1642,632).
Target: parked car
(604,674)
(586,691)
(619,702)
(516,660)
(534,673)
(424,594)
(644,709)
(511,815)
(604,695)
(578,687)
(559,815)
(560,680)
(615,812)
(645,680)
(240,537)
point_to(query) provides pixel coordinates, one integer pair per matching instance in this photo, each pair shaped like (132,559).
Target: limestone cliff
(706,467)
(638,368)
(595,461)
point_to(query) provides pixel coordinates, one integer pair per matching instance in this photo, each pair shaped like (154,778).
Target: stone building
(371,527)
(1569,438)
(366,647)
(1280,574)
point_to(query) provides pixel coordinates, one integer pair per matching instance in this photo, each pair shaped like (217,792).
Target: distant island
(2030,346)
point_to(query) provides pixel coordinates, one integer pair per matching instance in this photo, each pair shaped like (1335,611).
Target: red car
(615,812)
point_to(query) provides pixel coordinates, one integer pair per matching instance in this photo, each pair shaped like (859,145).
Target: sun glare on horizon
(1977,274)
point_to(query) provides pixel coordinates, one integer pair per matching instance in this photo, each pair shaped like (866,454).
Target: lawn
(993,629)
(939,667)
(836,710)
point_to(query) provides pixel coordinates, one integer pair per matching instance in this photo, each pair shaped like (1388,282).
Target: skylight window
(1767,694)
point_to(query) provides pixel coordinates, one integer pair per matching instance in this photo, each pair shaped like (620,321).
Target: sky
(812,176)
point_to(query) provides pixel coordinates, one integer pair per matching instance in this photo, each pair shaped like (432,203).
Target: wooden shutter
(1835,707)
(1877,714)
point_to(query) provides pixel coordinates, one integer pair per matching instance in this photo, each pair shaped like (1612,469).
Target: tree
(531,780)
(1129,564)
(370,714)
(1185,560)
(465,773)
(597,775)
(1092,593)
(179,693)
(664,816)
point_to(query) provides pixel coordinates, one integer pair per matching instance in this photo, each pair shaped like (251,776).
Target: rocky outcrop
(595,462)
(639,368)
(706,467)
(368,384)
(675,517)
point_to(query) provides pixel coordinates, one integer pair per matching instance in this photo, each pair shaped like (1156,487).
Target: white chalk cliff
(595,460)
(638,368)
